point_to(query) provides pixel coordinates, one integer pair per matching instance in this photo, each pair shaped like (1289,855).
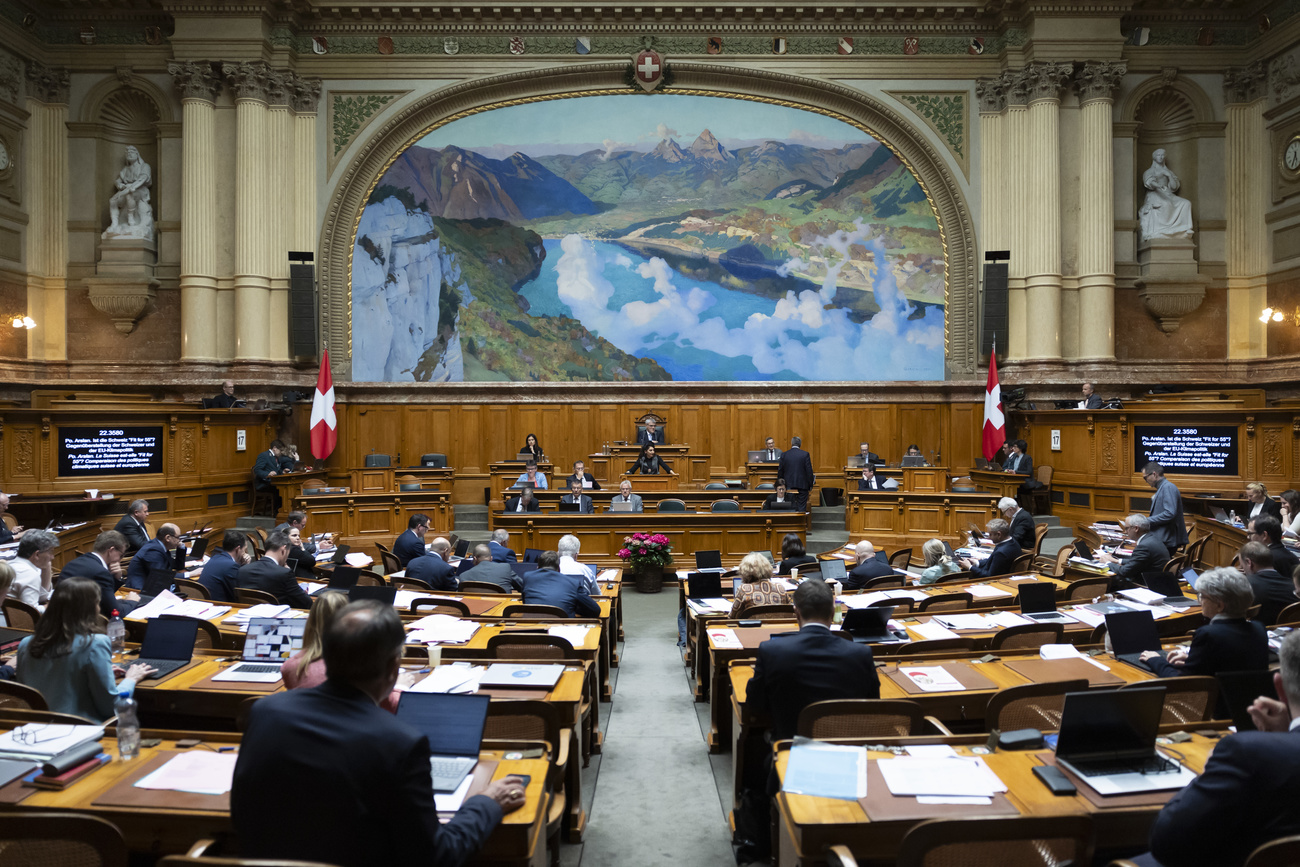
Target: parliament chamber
(384,266)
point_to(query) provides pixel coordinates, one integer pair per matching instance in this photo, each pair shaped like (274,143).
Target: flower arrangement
(646,549)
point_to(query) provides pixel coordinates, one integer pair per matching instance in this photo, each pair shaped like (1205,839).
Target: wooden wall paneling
(1273,448)
(827,437)
(1112,462)
(916,424)
(964,514)
(500,439)
(581,433)
(717,437)
(929,519)
(961,446)
(755,423)
(21,458)
(380,432)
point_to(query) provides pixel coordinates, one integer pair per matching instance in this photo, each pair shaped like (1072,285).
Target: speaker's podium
(660,482)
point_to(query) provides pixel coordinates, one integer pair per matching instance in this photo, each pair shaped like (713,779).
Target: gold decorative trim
(389,140)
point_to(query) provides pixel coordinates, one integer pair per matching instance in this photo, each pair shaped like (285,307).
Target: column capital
(279,87)
(249,80)
(46,84)
(1016,84)
(1098,79)
(992,95)
(306,95)
(1242,84)
(1047,80)
(195,80)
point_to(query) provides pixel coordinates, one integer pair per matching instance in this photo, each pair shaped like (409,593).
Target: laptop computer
(157,581)
(757,456)
(531,554)
(870,624)
(1038,603)
(1108,739)
(834,569)
(340,556)
(1131,633)
(782,506)
(178,558)
(524,676)
(1082,550)
(1190,575)
(981,463)
(704,585)
(620,506)
(168,644)
(708,561)
(913,461)
(269,642)
(387,595)
(1220,515)
(198,549)
(568,507)
(453,723)
(1238,691)
(1167,583)
(767,554)
(462,547)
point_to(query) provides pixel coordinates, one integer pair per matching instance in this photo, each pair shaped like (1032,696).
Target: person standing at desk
(265,468)
(379,807)
(649,463)
(650,434)
(796,468)
(1167,520)
(131,525)
(410,544)
(1229,642)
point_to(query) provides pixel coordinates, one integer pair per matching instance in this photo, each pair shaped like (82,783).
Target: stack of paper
(826,771)
(941,778)
(1085,614)
(441,629)
(931,629)
(986,591)
(198,771)
(1067,651)
(265,609)
(1143,595)
(575,634)
(459,677)
(402,599)
(931,678)
(710,606)
(40,741)
(964,621)
(1008,618)
(725,639)
(607,575)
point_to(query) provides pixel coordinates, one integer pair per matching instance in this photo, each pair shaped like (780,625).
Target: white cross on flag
(648,68)
(324,424)
(995,423)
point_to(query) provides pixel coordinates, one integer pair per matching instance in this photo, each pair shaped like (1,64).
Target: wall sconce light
(1275,314)
(22,321)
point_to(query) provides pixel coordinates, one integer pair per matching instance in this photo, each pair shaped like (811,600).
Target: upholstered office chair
(725,506)
(946,602)
(766,486)
(390,562)
(440,606)
(198,856)
(1030,705)
(433,459)
(715,486)
(1027,635)
(248,596)
(1086,589)
(379,461)
(1040,499)
(884,582)
(1024,840)
(407,483)
(864,718)
(955,577)
(1053,566)
(934,645)
(193,589)
(410,584)
(521,609)
(671,505)
(1288,615)
(1187,699)
(529,645)
(19,695)
(769,612)
(481,587)
(67,839)
(1023,563)
(20,615)
(901,559)
(1040,530)
(540,721)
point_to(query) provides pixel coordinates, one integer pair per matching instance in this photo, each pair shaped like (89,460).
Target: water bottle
(116,633)
(128,724)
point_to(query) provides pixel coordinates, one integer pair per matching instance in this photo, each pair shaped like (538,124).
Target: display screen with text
(1197,451)
(95,451)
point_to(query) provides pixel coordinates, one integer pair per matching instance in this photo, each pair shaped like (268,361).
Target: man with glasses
(1149,555)
(156,554)
(410,544)
(1167,523)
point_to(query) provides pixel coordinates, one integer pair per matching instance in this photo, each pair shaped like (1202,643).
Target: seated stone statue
(1164,214)
(131,215)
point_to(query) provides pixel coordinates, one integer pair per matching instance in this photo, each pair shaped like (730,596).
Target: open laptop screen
(1037,597)
(1132,632)
(1110,723)
(271,638)
(834,570)
(453,723)
(167,638)
(703,585)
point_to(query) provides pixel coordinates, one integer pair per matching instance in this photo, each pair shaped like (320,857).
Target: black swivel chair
(433,460)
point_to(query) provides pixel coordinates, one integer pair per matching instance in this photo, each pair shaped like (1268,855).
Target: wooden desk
(618,458)
(734,534)
(361,519)
(1225,539)
(807,824)
(383,479)
(999,483)
(902,519)
(919,480)
(503,474)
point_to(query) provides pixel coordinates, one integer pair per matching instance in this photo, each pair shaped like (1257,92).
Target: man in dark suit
(156,554)
(270,575)
(487,569)
(1268,529)
(525,502)
(871,481)
(410,544)
(1149,555)
(1090,399)
(771,453)
(1243,799)
(1273,591)
(1228,642)
(98,567)
(867,568)
(868,457)
(576,495)
(227,398)
(265,467)
(796,468)
(433,568)
(548,586)
(220,574)
(1167,520)
(131,526)
(1022,526)
(500,552)
(379,805)
(1017,461)
(1005,552)
(580,475)
(650,434)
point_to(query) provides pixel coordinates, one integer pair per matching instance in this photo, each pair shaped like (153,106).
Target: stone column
(1096,84)
(306,97)
(1043,208)
(280,169)
(1015,140)
(46,196)
(254,212)
(1248,167)
(198,86)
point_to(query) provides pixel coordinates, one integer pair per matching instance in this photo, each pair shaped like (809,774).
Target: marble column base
(1169,282)
(124,284)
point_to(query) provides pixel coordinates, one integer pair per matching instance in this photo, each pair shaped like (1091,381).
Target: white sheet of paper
(863,600)
(932,629)
(725,639)
(931,751)
(450,802)
(457,677)
(161,604)
(607,575)
(1009,618)
(986,591)
(1087,615)
(198,771)
(1143,595)
(931,678)
(950,777)
(1067,651)
(47,739)
(914,595)
(264,609)
(575,635)
(963,621)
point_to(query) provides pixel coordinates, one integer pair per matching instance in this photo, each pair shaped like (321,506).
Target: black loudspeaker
(302,313)
(995,306)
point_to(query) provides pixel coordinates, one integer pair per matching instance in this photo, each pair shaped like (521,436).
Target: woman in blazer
(649,463)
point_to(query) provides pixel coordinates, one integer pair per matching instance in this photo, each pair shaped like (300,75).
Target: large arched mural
(615,238)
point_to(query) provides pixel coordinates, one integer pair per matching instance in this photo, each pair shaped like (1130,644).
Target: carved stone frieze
(46,84)
(992,94)
(1244,84)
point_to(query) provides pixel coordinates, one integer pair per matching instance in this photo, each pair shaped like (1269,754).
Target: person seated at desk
(1149,555)
(1228,642)
(868,567)
(1244,797)
(6,535)
(779,501)
(771,454)
(226,398)
(569,547)
(938,563)
(649,463)
(1005,552)
(867,458)
(1291,513)
(433,568)
(306,667)
(131,526)
(530,477)
(69,659)
(576,495)
(581,475)
(1273,590)
(487,569)
(1261,503)
(502,553)
(650,434)
(6,584)
(378,805)
(1022,525)
(1091,400)
(793,554)
(756,586)
(547,586)
(220,574)
(525,502)
(1268,529)
(410,544)
(157,554)
(872,482)
(288,458)
(303,562)
(98,566)
(1017,461)
(297,519)
(625,495)
(34,568)
(532,448)
(271,576)
(914,451)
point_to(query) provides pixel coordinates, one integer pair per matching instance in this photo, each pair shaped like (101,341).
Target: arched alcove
(125,115)
(1168,113)
(393,136)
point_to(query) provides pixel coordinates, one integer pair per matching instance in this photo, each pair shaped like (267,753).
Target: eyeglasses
(31,734)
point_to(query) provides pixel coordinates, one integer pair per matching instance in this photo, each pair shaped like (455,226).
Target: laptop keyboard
(1152,765)
(257,667)
(450,769)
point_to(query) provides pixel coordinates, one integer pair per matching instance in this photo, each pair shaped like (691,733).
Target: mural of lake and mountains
(663,237)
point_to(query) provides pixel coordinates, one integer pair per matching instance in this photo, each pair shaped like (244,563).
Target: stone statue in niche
(129,209)
(1164,213)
